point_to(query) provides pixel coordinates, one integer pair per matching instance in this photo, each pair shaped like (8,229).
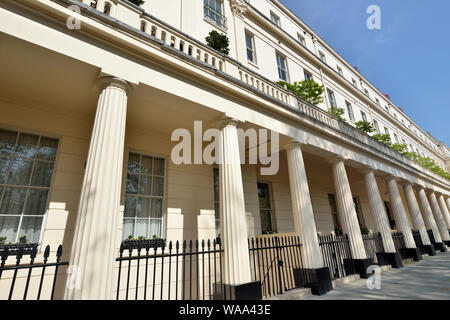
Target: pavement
(428,279)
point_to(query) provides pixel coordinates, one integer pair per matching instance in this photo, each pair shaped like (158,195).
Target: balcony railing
(215,17)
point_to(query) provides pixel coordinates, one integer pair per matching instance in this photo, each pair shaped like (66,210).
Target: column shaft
(346,209)
(428,215)
(378,211)
(399,213)
(233,226)
(415,213)
(444,210)
(440,222)
(93,252)
(305,225)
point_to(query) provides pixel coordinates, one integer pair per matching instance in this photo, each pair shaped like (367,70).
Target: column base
(394,259)
(413,253)
(447,243)
(318,280)
(247,291)
(429,249)
(358,266)
(440,246)
(382,260)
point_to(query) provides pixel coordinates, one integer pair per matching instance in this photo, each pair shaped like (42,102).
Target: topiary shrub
(383,138)
(137,2)
(308,90)
(337,112)
(218,41)
(365,126)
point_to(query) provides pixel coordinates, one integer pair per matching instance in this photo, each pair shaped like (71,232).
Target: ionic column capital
(225,121)
(293,143)
(108,81)
(336,159)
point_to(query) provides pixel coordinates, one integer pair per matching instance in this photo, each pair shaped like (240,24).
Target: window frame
(271,210)
(277,18)
(283,58)
(253,49)
(330,93)
(40,134)
(349,107)
(164,197)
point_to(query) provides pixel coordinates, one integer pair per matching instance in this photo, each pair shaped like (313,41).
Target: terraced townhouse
(93,207)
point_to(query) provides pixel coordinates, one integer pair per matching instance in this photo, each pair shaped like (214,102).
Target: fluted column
(233,225)
(447,201)
(346,209)
(414,211)
(444,210)
(428,215)
(93,252)
(440,222)
(305,225)
(399,212)
(378,211)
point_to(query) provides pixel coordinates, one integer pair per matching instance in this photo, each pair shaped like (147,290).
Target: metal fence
(418,240)
(149,270)
(373,244)
(335,250)
(277,263)
(399,243)
(25,271)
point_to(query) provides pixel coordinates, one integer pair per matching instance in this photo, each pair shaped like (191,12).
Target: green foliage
(364,230)
(427,163)
(402,148)
(308,90)
(338,232)
(137,2)
(383,138)
(365,126)
(2,240)
(337,112)
(218,41)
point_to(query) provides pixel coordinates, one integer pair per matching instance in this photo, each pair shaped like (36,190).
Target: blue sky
(409,58)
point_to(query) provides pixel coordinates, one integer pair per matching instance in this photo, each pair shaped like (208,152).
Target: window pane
(130,206)
(264,196)
(26,146)
(128,228)
(146,165)
(156,208)
(143,208)
(7,142)
(36,202)
(141,229)
(42,174)
(266,221)
(216,184)
(4,166)
(8,228)
(132,184)
(13,201)
(47,149)
(155,228)
(133,164)
(31,228)
(158,167)
(217,210)
(145,185)
(20,172)
(158,187)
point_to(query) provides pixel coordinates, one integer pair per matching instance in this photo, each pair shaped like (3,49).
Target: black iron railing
(373,244)
(399,241)
(25,272)
(418,240)
(277,263)
(335,250)
(151,270)
(431,236)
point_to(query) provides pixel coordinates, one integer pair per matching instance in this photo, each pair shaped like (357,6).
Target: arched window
(143,26)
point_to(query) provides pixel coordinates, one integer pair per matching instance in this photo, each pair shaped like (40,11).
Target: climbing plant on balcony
(365,126)
(137,2)
(218,41)
(402,148)
(383,138)
(337,112)
(308,90)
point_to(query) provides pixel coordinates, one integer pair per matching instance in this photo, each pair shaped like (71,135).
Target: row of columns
(94,247)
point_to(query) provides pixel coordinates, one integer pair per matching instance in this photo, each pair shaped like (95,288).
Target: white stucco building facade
(88,111)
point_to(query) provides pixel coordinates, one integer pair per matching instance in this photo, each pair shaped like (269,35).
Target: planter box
(15,248)
(143,244)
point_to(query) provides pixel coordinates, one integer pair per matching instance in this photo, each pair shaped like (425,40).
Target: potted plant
(2,240)
(23,239)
